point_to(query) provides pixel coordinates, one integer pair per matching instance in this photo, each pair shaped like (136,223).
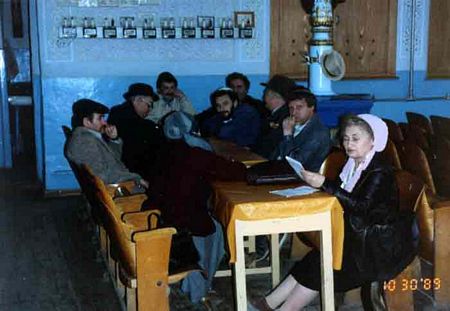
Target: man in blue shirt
(239,123)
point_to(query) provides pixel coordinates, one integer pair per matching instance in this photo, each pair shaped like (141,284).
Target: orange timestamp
(412,284)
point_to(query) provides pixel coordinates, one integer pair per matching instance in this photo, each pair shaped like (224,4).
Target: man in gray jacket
(95,143)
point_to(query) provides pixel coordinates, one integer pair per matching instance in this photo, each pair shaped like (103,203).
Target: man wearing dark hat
(171,98)
(96,143)
(141,137)
(271,135)
(305,138)
(240,84)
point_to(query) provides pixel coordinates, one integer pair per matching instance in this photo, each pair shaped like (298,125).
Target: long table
(231,151)
(247,210)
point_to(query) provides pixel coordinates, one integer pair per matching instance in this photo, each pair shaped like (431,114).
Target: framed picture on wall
(244,19)
(206,22)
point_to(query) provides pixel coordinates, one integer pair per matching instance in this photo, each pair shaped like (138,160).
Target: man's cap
(280,84)
(140,89)
(85,107)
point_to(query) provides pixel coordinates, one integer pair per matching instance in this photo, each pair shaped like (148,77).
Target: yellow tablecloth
(237,200)
(231,151)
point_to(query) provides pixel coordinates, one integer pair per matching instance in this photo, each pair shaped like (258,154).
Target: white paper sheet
(296,165)
(292,192)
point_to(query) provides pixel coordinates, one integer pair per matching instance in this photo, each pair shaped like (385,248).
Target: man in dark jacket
(141,137)
(236,122)
(275,95)
(305,138)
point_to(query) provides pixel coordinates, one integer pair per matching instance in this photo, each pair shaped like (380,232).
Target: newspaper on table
(292,192)
(299,191)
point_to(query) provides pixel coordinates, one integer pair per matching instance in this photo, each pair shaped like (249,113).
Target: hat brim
(333,76)
(128,95)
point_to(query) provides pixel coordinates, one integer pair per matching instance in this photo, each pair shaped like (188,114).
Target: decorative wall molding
(168,51)
(420,31)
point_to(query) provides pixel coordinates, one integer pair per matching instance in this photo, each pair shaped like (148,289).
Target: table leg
(327,266)
(239,266)
(275,259)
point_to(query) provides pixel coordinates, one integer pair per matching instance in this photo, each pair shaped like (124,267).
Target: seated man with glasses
(141,137)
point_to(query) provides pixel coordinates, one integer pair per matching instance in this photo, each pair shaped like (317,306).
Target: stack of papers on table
(292,192)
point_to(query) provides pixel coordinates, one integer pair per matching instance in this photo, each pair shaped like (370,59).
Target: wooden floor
(50,261)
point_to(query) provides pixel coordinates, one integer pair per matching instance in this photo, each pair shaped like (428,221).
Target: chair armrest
(141,219)
(131,203)
(442,250)
(121,189)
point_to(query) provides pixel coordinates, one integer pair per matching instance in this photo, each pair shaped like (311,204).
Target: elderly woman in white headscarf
(380,241)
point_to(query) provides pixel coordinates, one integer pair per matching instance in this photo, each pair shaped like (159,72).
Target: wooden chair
(433,216)
(333,163)
(395,133)
(390,154)
(142,253)
(411,191)
(441,126)
(414,160)
(416,135)
(440,165)
(421,121)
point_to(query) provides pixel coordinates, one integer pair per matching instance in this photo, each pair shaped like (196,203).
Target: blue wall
(102,69)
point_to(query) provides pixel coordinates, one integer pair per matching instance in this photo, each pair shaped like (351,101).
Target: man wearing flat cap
(141,137)
(275,93)
(96,143)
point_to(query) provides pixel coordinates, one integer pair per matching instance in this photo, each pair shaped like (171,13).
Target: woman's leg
(299,297)
(281,292)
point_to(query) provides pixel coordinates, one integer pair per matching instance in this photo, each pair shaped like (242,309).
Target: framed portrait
(244,19)
(206,22)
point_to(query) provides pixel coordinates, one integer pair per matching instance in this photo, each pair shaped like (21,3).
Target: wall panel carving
(438,41)
(364,33)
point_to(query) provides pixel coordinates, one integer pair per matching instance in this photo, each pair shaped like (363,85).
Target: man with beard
(239,123)
(171,98)
(96,143)
(142,138)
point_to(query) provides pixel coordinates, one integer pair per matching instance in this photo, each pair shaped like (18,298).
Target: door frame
(5,135)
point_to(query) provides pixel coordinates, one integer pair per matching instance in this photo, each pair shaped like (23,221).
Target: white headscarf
(349,175)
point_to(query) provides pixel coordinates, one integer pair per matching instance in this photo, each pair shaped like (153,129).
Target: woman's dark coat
(382,240)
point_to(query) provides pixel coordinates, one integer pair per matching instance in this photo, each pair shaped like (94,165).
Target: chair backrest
(421,121)
(333,163)
(395,133)
(404,128)
(67,131)
(414,160)
(441,126)
(390,154)
(416,135)
(440,165)
(410,189)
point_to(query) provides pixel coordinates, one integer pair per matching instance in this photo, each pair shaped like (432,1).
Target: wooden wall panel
(290,32)
(439,40)
(364,33)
